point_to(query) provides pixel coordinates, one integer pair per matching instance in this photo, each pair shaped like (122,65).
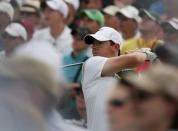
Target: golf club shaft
(71,65)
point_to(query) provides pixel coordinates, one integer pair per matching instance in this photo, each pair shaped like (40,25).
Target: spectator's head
(55,12)
(170,29)
(150,24)
(78,36)
(30,11)
(105,42)
(6,14)
(15,35)
(73,6)
(129,19)
(110,16)
(92,19)
(155,95)
(120,108)
(91,4)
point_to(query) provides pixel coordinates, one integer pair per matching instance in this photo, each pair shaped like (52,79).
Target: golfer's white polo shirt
(95,90)
(63,43)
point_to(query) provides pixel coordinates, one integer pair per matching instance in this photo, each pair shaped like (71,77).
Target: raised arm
(116,64)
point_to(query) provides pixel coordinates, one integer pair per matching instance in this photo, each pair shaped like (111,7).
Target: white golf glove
(150,56)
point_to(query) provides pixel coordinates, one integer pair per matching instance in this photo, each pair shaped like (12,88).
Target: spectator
(14,36)
(92,19)
(79,54)
(150,30)
(129,20)
(29,28)
(97,79)
(155,96)
(80,108)
(121,109)
(73,6)
(170,29)
(57,33)
(30,11)
(110,16)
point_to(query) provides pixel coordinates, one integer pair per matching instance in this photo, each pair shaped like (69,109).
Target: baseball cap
(152,15)
(16,30)
(58,5)
(94,15)
(7,8)
(111,10)
(160,79)
(171,25)
(74,3)
(131,13)
(31,6)
(105,34)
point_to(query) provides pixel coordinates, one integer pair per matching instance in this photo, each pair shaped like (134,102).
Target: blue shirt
(70,72)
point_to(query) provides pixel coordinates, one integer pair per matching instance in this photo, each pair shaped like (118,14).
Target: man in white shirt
(58,34)
(99,71)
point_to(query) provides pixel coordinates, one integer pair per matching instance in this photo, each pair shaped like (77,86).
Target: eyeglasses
(118,102)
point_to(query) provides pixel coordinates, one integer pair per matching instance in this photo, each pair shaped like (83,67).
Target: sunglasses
(142,96)
(118,102)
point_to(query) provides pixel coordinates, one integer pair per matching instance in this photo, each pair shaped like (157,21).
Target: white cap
(58,5)
(131,13)
(7,8)
(74,3)
(111,10)
(30,6)
(16,30)
(105,34)
(174,23)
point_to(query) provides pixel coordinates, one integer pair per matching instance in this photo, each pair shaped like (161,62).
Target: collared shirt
(63,43)
(96,89)
(70,72)
(136,43)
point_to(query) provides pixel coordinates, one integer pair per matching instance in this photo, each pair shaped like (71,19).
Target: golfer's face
(104,49)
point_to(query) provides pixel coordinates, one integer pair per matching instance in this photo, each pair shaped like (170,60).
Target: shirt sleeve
(92,68)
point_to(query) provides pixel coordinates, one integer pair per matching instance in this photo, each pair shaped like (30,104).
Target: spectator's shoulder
(41,33)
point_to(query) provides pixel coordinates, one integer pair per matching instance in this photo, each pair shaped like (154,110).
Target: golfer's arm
(116,64)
